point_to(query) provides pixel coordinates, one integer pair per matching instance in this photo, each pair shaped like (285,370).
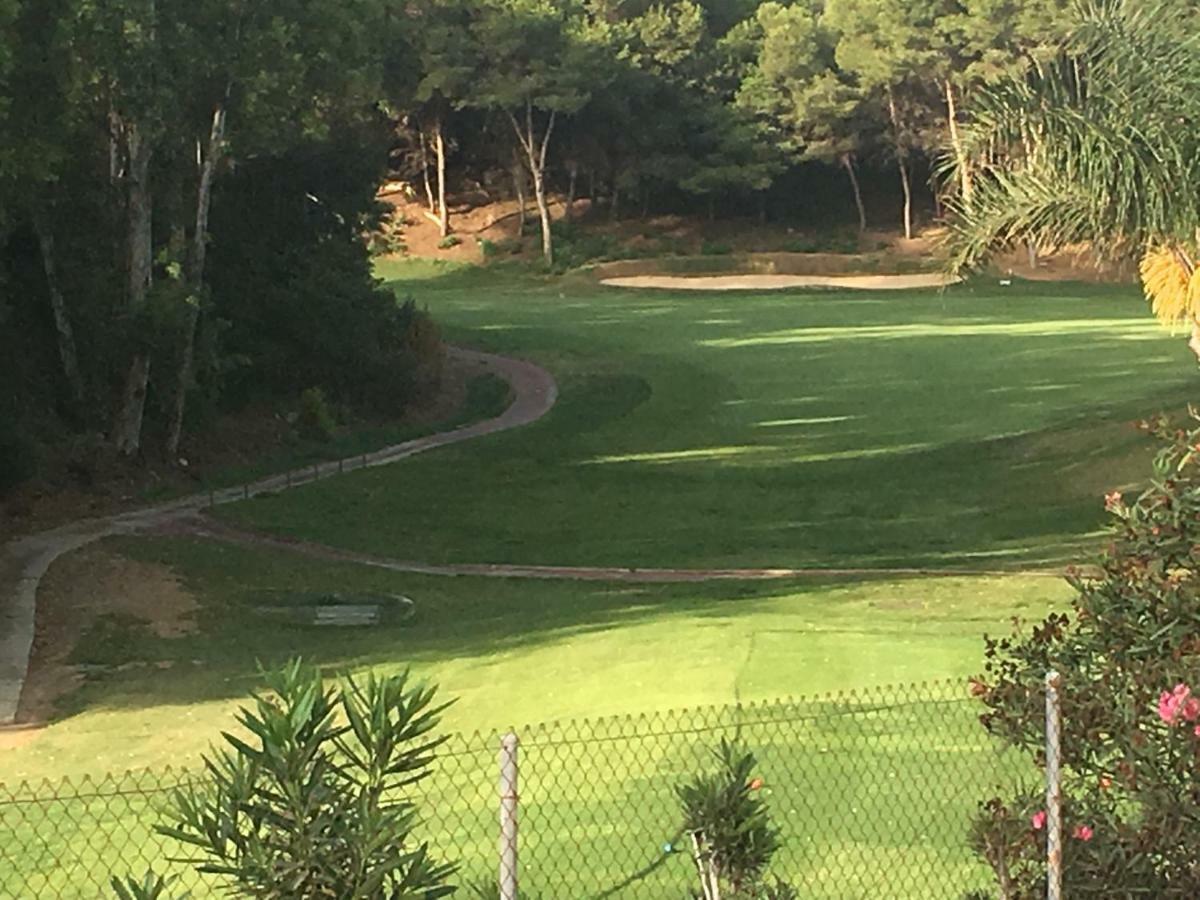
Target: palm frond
(1099,143)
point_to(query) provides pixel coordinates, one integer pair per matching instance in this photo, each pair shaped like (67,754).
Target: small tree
(731,832)
(1130,659)
(313,804)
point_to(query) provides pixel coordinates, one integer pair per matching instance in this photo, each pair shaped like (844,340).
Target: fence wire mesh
(872,793)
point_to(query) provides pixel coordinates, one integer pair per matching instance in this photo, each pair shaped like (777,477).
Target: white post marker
(508,817)
(1054,825)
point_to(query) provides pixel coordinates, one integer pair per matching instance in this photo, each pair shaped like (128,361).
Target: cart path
(25,560)
(209,529)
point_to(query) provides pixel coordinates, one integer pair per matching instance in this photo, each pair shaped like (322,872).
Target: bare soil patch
(77,589)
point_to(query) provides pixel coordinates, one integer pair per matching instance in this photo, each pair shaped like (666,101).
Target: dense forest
(186,187)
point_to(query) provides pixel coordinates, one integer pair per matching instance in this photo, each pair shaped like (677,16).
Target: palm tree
(1099,143)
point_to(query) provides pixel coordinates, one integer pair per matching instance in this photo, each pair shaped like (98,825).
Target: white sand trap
(780,282)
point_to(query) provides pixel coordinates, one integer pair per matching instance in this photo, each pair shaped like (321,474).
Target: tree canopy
(172,171)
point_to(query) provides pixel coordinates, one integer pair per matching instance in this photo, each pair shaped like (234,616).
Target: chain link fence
(872,793)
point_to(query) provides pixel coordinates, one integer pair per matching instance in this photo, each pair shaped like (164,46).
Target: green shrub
(317,800)
(315,421)
(1129,654)
(388,236)
(505,247)
(450,240)
(715,248)
(575,246)
(726,819)
(150,887)
(424,348)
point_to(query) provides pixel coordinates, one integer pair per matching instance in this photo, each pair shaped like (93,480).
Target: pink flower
(1082,832)
(1171,703)
(1196,731)
(1038,820)
(1191,709)
(1112,501)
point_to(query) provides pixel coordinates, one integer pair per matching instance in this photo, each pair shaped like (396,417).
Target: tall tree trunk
(905,183)
(847,160)
(197,256)
(960,156)
(127,427)
(432,204)
(518,173)
(902,161)
(614,211)
(439,149)
(536,148)
(539,192)
(572,184)
(58,305)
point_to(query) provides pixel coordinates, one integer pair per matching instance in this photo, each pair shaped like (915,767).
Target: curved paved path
(25,560)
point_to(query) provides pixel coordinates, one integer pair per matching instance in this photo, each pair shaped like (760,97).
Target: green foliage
(728,823)
(577,246)
(423,346)
(1129,657)
(291,281)
(715,248)
(1056,157)
(505,247)
(449,241)
(150,887)
(387,237)
(315,420)
(316,801)
(18,457)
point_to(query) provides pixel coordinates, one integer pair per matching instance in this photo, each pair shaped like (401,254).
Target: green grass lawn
(512,652)
(978,427)
(972,429)
(888,775)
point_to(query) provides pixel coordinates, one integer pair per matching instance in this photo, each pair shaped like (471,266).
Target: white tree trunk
(210,158)
(848,165)
(431,203)
(439,149)
(58,306)
(905,183)
(518,174)
(127,427)
(536,149)
(902,161)
(960,156)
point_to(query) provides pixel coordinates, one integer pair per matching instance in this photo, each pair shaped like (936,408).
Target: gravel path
(25,560)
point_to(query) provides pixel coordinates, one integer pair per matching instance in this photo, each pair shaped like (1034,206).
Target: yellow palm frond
(1171,287)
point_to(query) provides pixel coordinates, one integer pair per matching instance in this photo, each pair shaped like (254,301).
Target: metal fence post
(1053,787)
(508,817)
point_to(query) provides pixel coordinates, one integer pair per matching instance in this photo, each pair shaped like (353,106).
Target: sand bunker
(781,282)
